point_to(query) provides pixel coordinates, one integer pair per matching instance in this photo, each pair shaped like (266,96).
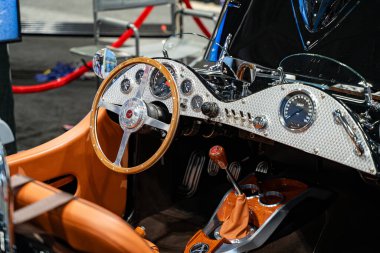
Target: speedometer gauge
(297,111)
(159,86)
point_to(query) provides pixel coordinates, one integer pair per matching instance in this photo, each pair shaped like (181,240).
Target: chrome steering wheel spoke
(157,124)
(144,82)
(110,106)
(123,145)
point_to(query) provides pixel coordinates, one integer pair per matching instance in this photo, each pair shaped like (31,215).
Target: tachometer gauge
(196,103)
(139,75)
(186,87)
(297,111)
(158,84)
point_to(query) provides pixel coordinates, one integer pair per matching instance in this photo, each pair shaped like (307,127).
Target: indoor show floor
(40,118)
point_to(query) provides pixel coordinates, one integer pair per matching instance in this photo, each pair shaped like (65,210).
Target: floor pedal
(193,173)
(235,169)
(263,167)
(212,168)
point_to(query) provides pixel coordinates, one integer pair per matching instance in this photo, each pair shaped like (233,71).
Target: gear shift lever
(218,156)
(236,224)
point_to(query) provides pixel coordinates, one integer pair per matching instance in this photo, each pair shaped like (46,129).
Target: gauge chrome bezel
(192,87)
(286,99)
(135,76)
(125,92)
(191,103)
(152,74)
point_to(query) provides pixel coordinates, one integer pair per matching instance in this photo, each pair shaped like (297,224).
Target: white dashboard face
(296,115)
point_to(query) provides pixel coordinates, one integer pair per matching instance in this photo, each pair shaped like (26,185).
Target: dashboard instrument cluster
(296,115)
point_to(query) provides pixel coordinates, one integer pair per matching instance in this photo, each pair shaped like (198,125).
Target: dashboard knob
(260,122)
(183,106)
(210,109)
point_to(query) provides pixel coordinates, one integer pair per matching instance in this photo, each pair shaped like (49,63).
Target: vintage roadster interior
(225,155)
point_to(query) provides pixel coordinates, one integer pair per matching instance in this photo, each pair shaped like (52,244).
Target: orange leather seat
(83,225)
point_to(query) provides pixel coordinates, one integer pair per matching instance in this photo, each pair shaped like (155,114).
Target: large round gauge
(186,87)
(158,83)
(297,111)
(196,103)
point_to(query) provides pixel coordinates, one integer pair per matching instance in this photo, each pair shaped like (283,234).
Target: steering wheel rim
(128,121)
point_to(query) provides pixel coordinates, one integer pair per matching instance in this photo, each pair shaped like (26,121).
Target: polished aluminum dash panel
(324,138)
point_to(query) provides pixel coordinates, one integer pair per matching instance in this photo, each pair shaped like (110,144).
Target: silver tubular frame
(6,206)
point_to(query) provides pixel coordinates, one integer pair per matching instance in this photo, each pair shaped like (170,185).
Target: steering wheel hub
(132,115)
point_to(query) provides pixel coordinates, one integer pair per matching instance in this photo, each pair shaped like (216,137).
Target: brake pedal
(193,173)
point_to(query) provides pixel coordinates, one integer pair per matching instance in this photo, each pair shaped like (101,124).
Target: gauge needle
(300,110)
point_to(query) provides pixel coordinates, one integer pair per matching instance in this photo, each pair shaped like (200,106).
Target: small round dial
(186,87)
(159,85)
(196,103)
(125,86)
(297,111)
(139,75)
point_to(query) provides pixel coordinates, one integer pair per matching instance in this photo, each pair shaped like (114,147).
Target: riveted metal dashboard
(325,137)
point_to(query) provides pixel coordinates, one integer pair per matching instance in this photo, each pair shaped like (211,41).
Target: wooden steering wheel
(133,115)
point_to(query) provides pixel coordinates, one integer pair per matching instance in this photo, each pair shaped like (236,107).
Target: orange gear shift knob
(218,156)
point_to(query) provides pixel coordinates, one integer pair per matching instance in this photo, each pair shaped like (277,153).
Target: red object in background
(164,28)
(118,43)
(80,71)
